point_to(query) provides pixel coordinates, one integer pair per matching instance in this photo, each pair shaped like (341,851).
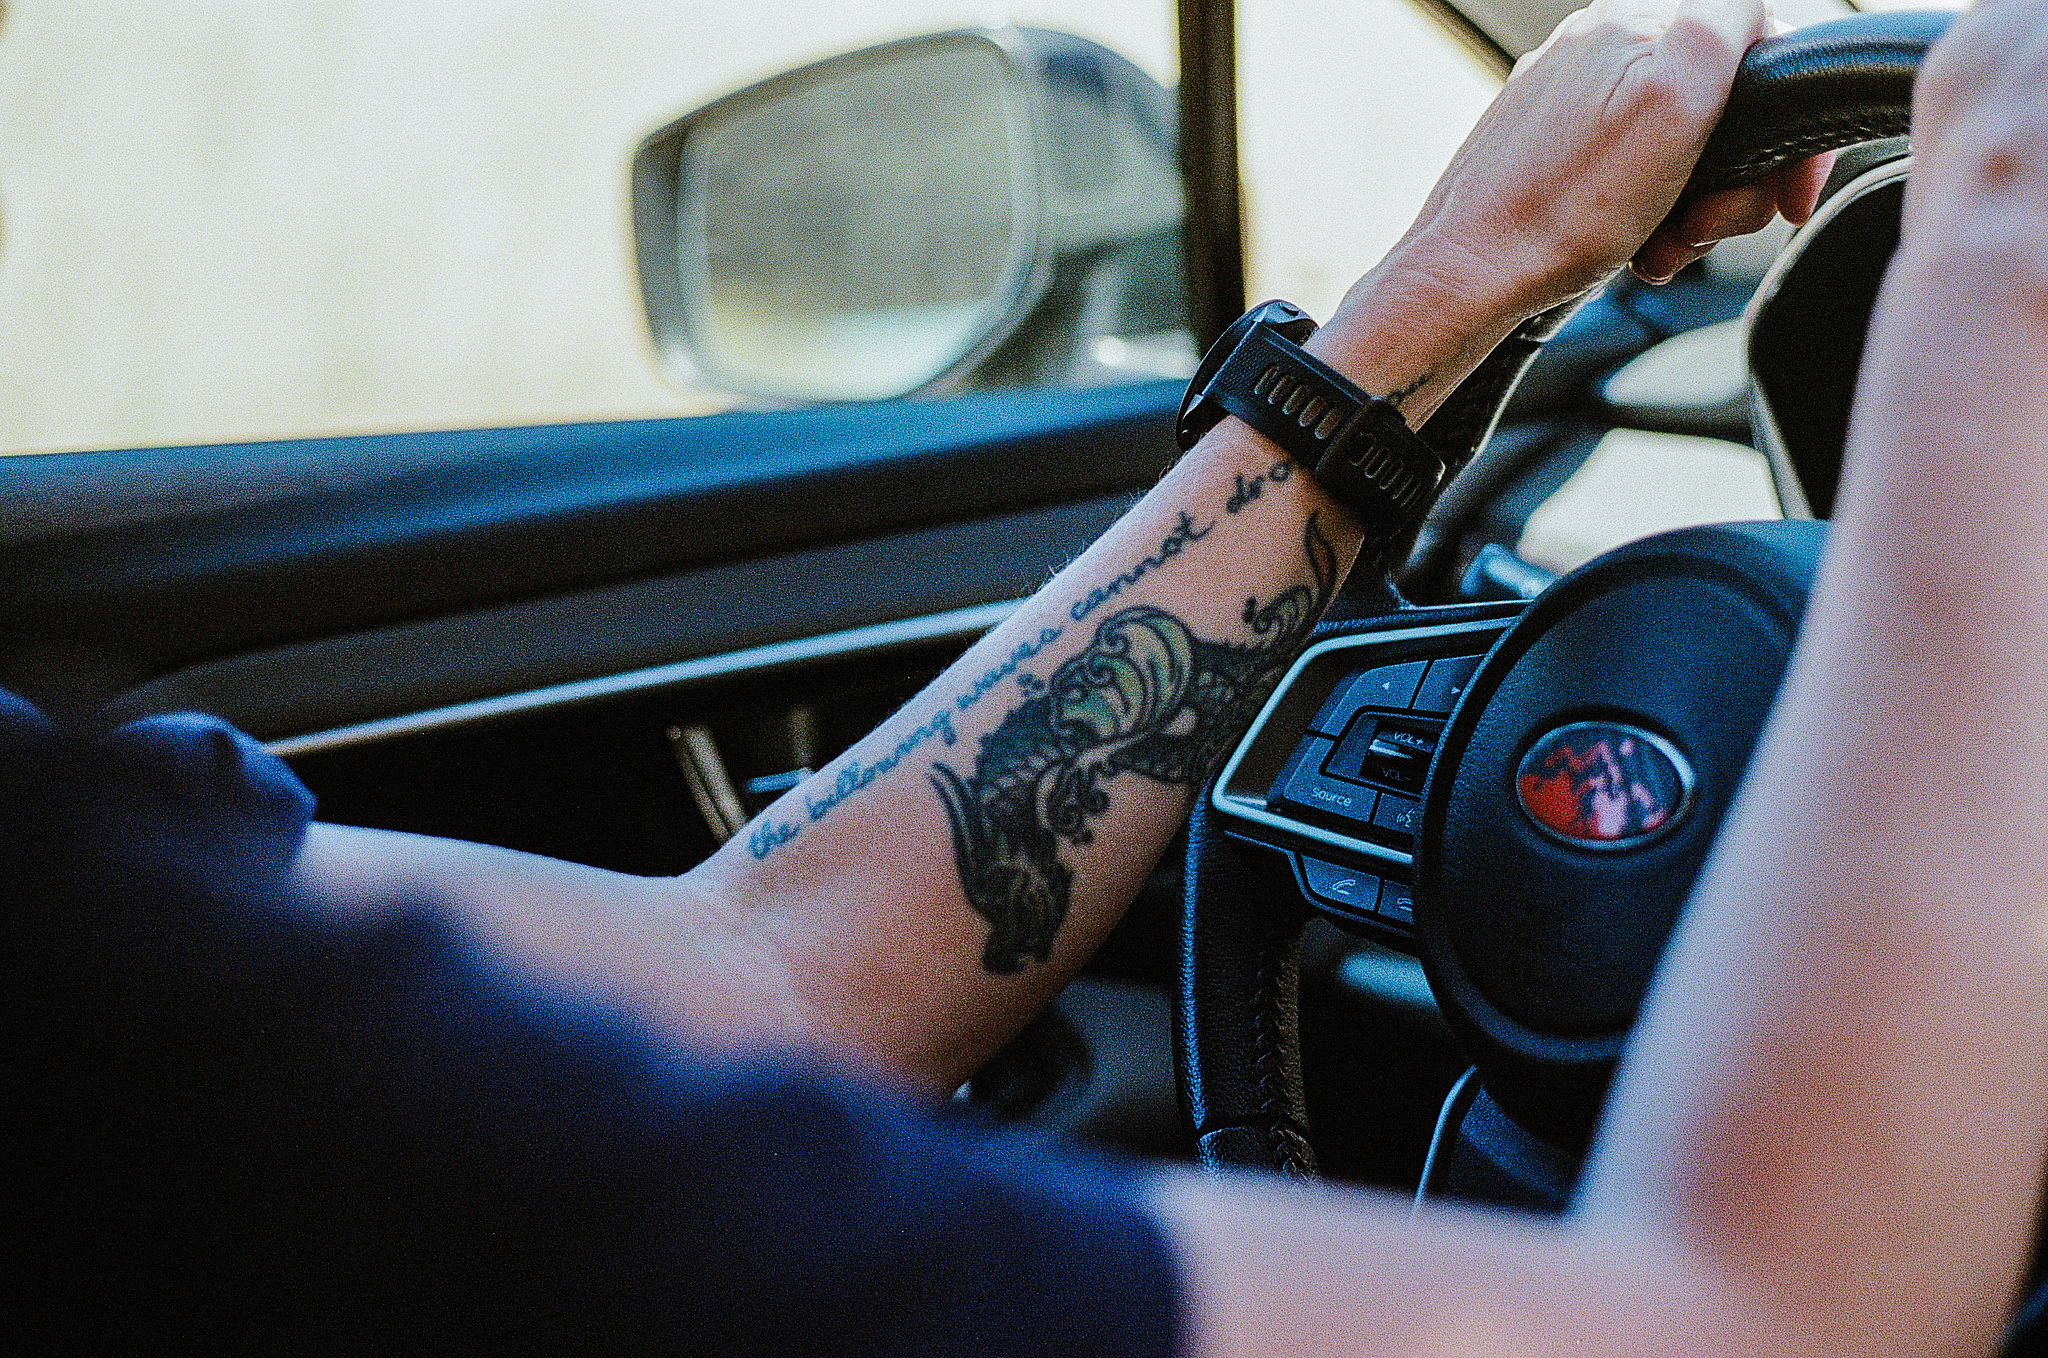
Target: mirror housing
(988,207)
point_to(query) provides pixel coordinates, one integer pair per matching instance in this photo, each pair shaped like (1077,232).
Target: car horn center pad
(1642,682)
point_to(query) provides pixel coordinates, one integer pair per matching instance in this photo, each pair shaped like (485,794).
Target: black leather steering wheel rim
(1237,1040)
(1816,89)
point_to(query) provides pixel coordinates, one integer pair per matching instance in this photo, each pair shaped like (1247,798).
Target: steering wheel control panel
(1332,772)
(1359,767)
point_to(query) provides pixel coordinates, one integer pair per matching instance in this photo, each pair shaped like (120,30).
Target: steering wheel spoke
(1331,775)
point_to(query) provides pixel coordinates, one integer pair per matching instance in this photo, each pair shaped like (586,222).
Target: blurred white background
(234,219)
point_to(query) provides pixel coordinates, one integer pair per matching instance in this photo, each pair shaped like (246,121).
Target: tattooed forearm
(1395,398)
(1147,696)
(1202,705)
(1171,546)
(853,777)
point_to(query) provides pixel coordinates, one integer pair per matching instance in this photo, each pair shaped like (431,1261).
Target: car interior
(614,642)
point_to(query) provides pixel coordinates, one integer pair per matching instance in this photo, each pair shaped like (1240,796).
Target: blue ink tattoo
(1174,543)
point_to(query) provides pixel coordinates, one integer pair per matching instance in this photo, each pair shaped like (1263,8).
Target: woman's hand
(1570,174)
(1574,170)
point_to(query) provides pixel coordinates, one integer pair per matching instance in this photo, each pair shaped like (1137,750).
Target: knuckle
(1651,87)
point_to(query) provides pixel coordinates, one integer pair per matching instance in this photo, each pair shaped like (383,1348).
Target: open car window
(1331,181)
(254,220)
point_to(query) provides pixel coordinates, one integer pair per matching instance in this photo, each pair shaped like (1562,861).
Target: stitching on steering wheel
(1290,1147)
(1826,135)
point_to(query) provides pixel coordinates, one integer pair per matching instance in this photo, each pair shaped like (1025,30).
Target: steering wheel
(1523,796)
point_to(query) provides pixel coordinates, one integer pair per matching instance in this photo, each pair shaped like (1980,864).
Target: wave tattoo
(1147,696)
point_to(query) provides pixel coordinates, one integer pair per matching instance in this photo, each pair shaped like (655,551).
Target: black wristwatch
(1358,447)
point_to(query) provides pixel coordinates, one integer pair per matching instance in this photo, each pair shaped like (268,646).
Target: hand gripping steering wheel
(1574,778)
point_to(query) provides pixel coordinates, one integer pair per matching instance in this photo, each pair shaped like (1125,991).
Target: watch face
(1198,414)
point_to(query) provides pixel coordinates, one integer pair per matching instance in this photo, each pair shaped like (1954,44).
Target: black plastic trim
(412,667)
(1238,792)
(125,588)
(1213,227)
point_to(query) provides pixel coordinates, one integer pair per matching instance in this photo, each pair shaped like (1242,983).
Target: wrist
(1358,446)
(1416,324)
(1242,466)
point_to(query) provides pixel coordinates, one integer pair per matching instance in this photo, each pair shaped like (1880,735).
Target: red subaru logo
(1603,784)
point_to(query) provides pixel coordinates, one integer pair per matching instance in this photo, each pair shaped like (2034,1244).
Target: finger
(1798,186)
(1688,235)
(1662,256)
(1731,212)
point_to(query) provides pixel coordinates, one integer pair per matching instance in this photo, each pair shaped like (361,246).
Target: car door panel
(517,656)
(96,602)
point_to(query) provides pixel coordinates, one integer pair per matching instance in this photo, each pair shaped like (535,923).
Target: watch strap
(1358,447)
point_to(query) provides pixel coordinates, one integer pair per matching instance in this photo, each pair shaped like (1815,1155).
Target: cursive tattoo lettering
(855,776)
(1247,491)
(1175,542)
(1025,650)
(768,836)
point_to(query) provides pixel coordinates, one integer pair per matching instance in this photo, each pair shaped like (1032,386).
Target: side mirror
(979,208)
